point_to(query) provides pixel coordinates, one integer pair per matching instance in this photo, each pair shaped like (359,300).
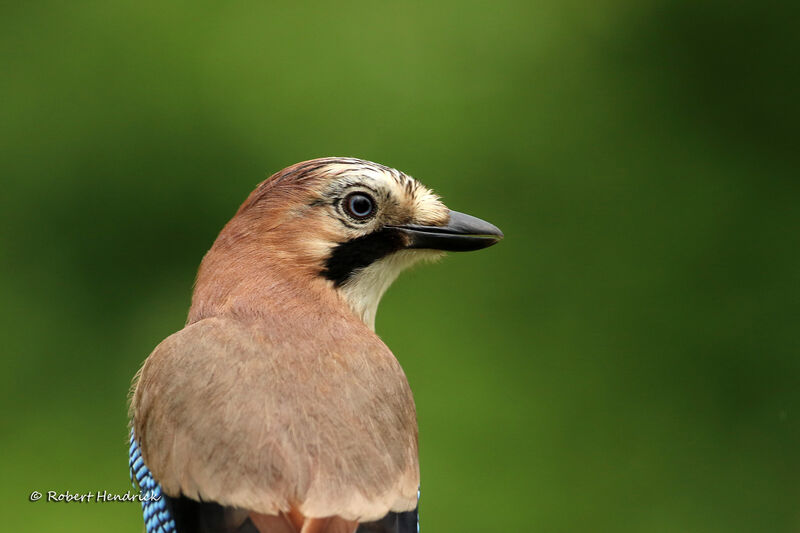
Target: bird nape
(277,408)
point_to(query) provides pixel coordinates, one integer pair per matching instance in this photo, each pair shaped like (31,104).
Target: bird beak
(463,233)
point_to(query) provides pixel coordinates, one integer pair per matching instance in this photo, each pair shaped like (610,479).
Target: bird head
(330,226)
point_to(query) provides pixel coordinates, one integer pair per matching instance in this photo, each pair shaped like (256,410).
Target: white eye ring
(359,205)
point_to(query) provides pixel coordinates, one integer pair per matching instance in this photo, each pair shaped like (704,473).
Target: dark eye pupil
(360,205)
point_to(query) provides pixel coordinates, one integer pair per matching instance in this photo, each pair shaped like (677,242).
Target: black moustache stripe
(350,256)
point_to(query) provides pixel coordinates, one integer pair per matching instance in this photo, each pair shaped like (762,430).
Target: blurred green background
(626,360)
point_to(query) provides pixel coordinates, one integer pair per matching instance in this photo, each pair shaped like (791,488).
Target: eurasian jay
(277,409)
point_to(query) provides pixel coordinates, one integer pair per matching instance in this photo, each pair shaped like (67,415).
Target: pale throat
(365,288)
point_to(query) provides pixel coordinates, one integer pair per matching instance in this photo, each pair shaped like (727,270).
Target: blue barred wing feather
(157,517)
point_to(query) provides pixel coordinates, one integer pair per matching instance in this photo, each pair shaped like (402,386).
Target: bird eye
(359,205)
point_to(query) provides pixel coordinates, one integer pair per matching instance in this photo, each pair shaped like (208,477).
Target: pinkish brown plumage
(278,401)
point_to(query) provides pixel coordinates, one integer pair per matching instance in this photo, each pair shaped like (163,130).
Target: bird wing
(237,414)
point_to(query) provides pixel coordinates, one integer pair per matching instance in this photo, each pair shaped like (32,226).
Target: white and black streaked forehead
(344,174)
(327,178)
(346,168)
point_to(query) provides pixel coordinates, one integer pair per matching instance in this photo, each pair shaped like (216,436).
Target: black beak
(463,233)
